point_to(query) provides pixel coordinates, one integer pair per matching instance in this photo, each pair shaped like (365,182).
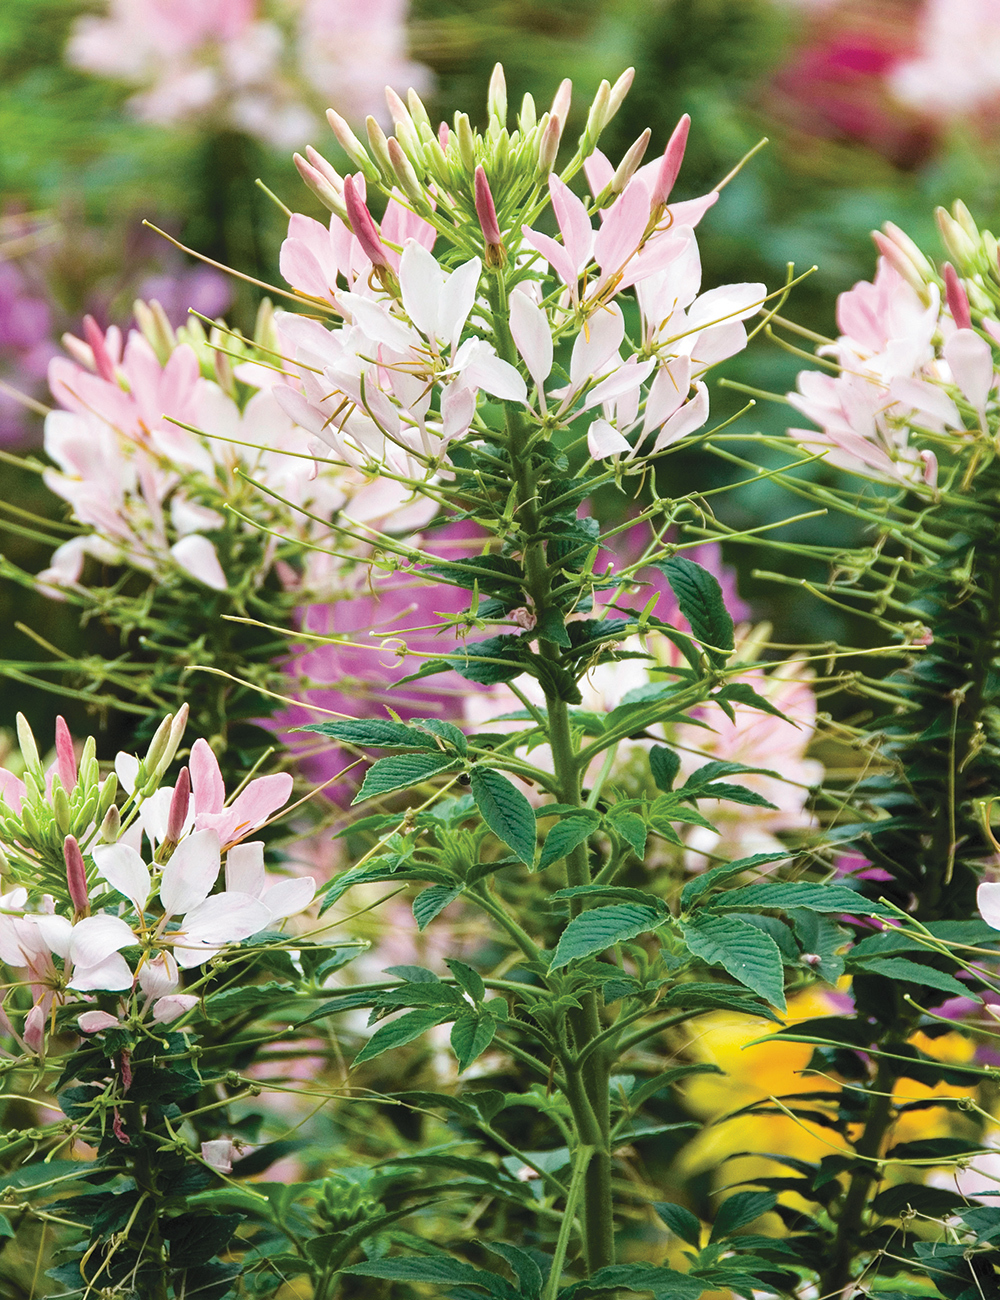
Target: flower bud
(958,299)
(379,146)
(397,109)
(76,877)
(404,173)
(954,237)
(965,219)
(27,746)
(418,113)
(180,802)
(562,100)
(111,826)
(527,119)
(89,770)
(597,116)
(466,141)
(65,754)
(365,230)
(158,745)
(320,186)
(444,135)
(158,331)
(496,98)
(548,146)
(103,364)
(670,164)
(930,464)
(352,146)
(85,813)
(60,806)
(34,1030)
(496,254)
(909,249)
(899,262)
(628,166)
(618,92)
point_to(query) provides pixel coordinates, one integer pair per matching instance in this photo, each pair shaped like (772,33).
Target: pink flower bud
(560,105)
(34,1030)
(76,876)
(180,801)
(65,755)
(548,146)
(444,135)
(898,260)
(327,194)
(103,364)
(220,1154)
(92,1022)
(958,299)
(486,211)
(670,164)
(365,230)
(930,464)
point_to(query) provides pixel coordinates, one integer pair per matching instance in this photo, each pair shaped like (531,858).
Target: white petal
(530,327)
(92,1022)
(625,379)
(191,872)
(126,767)
(97,937)
(125,871)
(112,975)
(167,1009)
(596,344)
(692,415)
(988,902)
(56,932)
(603,441)
(971,360)
(225,918)
(457,298)
(288,897)
(198,557)
(421,280)
(245,868)
(159,976)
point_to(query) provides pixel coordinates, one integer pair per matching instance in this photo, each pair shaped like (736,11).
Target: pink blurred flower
(955,71)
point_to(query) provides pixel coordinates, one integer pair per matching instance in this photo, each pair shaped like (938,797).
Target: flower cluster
(255,67)
(120,900)
(161,447)
(398,377)
(912,368)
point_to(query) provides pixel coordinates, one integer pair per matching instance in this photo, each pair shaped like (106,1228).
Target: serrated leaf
(469,980)
(631,828)
(232,1002)
(703,883)
(778,894)
(700,598)
(664,765)
(447,731)
(740,1209)
(680,1221)
(901,968)
(438,1269)
(373,733)
(471,1034)
(734,794)
(623,893)
(748,954)
(524,1268)
(567,834)
(429,903)
(401,772)
(412,974)
(396,1033)
(602,927)
(744,693)
(664,1283)
(505,811)
(723,996)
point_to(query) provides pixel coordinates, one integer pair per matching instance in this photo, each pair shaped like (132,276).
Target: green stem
(580,1165)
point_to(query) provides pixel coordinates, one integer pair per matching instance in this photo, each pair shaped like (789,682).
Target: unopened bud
(365,230)
(958,299)
(89,769)
(407,177)
(597,116)
(466,141)
(930,463)
(398,111)
(352,146)
(444,135)
(628,166)
(26,743)
(60,806)
(159,332)
(417,110)
(94,335)
(561,103)
(65,754)
(34,1034)
(954,237)
(109,791)
(379,146)
(899,262)
(76,877)
(180,802)
(111,826)
(327,194)
(965,219)
(264,329)
(4,863)
(618,92)
(670,164)
(548,145)
(496,99)
(527,119)
(496,254)
(158,745)
(909,249)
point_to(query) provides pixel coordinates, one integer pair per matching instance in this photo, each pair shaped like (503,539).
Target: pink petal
(191,872)
(555,255)
(171,1006)
(603,440)
(624,380)
(530,327)
(198,557)
(207,786)
(596,344)
(692,415)
(220,1154)
(245,868)
(158,977)
(971,360)
(12,790)
(458,406)
(667,391)
(259,800)
(623,230)
(574,223)
(598,171)
(92,1022)
(65,755)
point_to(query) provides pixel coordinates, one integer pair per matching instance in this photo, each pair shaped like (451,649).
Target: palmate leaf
(747,953)
(505,811)
(401,772)
(594,931)
(700,598)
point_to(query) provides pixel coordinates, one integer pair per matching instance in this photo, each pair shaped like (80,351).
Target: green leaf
(631,828)
(505,811)
(665,1283)
(623,894)
(524,1268)
(430,902)
(734,794)
(567,833)
(5,1226)
(701,602)
(439,1269)
(664,765)
(748,954)
(373,733)
(401,772)
(412,974)
(740,1209)
(469,980)
(723,996)
(471,1034)
(816,898)
(594,931)
(912,972)
(396,1033)
(702,884)
(680,1221)
(233,1002)
(447,731)
(196,1238)
(552,627)
(744,693)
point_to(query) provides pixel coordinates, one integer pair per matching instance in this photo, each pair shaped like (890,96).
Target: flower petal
(207,785)
(191,872)
(96,938)
(245,868)
(92,1022)
(125,871)
(198,557)
(971,360)
(288,897)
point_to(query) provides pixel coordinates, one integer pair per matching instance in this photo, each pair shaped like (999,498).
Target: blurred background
(185,113)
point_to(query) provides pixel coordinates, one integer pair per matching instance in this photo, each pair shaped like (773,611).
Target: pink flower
(956,70)
(249,810)
(220,1154)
